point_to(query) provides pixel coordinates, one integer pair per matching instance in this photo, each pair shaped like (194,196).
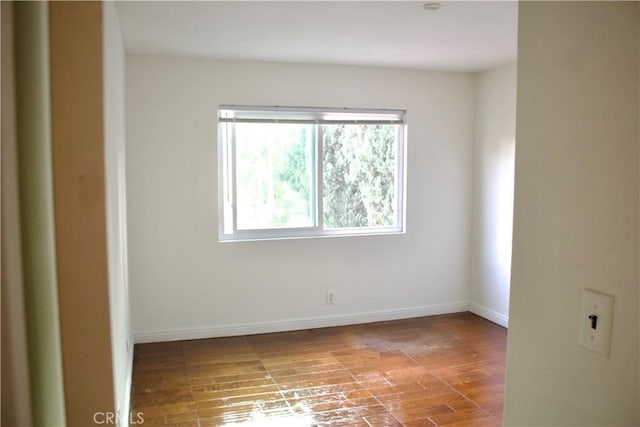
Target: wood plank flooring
(429,371)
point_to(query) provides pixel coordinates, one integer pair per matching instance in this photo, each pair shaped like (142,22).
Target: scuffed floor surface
(439,370)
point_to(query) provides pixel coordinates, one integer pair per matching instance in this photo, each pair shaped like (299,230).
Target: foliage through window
(302,172)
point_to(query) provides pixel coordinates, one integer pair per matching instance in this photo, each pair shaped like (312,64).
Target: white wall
(492,206)
(186,284)
(576,213)
(114,120)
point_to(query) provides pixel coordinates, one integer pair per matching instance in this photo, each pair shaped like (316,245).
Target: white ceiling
(461,35)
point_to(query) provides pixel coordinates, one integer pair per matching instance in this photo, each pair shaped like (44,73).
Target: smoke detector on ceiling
(432,6)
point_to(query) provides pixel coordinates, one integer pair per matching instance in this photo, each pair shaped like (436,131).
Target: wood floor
(439,370)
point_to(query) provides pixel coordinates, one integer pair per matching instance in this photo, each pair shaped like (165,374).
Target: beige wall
(80,211)
(576,213)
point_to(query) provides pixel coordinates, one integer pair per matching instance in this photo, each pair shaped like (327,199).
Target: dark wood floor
(440,370)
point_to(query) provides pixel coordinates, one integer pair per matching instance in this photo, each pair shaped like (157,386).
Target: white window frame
(304,115)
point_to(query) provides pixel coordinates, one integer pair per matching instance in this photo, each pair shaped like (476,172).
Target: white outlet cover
(331,295)
(601,305)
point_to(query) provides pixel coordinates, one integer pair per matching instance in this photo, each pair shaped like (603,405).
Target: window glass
(308,172)
(359,175)
(274,175)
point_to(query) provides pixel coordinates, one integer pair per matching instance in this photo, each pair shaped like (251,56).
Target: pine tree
(358,173)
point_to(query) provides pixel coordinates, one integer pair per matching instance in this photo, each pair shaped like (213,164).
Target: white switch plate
(601,305)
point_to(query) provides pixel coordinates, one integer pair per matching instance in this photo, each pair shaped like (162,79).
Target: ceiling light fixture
(432,6)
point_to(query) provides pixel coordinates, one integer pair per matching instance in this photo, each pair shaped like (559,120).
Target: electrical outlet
(596,321)
(331,297)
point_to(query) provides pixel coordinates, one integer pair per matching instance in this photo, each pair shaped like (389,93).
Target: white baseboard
(296,324)
(487,313)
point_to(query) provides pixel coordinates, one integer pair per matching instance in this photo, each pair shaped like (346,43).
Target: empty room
(310,213)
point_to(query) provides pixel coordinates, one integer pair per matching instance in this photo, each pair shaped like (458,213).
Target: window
(304,172)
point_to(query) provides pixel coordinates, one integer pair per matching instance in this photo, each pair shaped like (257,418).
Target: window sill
(332,233)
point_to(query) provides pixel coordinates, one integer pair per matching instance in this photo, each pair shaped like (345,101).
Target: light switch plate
(601,305)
